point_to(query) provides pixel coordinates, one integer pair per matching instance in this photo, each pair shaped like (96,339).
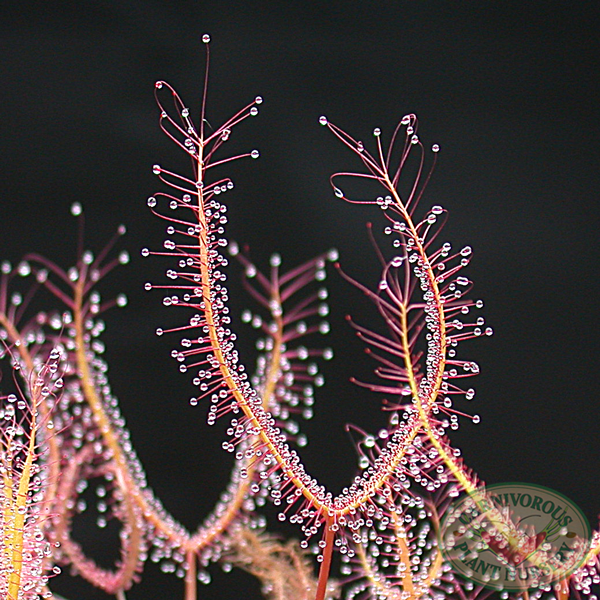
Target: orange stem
(326,564)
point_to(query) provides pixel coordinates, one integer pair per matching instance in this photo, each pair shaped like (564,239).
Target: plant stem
(190,576)
(326,564)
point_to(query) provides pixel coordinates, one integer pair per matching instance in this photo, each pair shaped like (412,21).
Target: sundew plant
(381,537)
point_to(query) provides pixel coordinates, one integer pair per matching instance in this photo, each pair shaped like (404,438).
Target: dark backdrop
(510,91)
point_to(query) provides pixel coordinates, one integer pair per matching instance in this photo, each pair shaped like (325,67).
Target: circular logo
(514,536)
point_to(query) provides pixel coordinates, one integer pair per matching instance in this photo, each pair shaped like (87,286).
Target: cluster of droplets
(398,550)
(585,582)
(444,292)
(76,428)
(194,354)
(25,422)
(460,325)
(200,277)
(36,552)
(396,543)
(287,371)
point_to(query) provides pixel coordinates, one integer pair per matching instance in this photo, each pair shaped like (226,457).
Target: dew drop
(253,111)
(258,100)
(323,120)
(333,255)
(76,209)
(206,38)
(435,148)
(255,154)
(376,132)
(397,261)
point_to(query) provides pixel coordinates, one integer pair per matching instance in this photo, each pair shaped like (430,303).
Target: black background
(510,91)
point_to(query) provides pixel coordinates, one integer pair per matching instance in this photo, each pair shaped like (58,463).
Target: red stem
(326,564)
(190,576)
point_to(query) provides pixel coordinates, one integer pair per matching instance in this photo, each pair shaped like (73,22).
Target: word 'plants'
(62,430)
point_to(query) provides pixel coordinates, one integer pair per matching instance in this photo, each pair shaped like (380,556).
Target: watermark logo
(514,536)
